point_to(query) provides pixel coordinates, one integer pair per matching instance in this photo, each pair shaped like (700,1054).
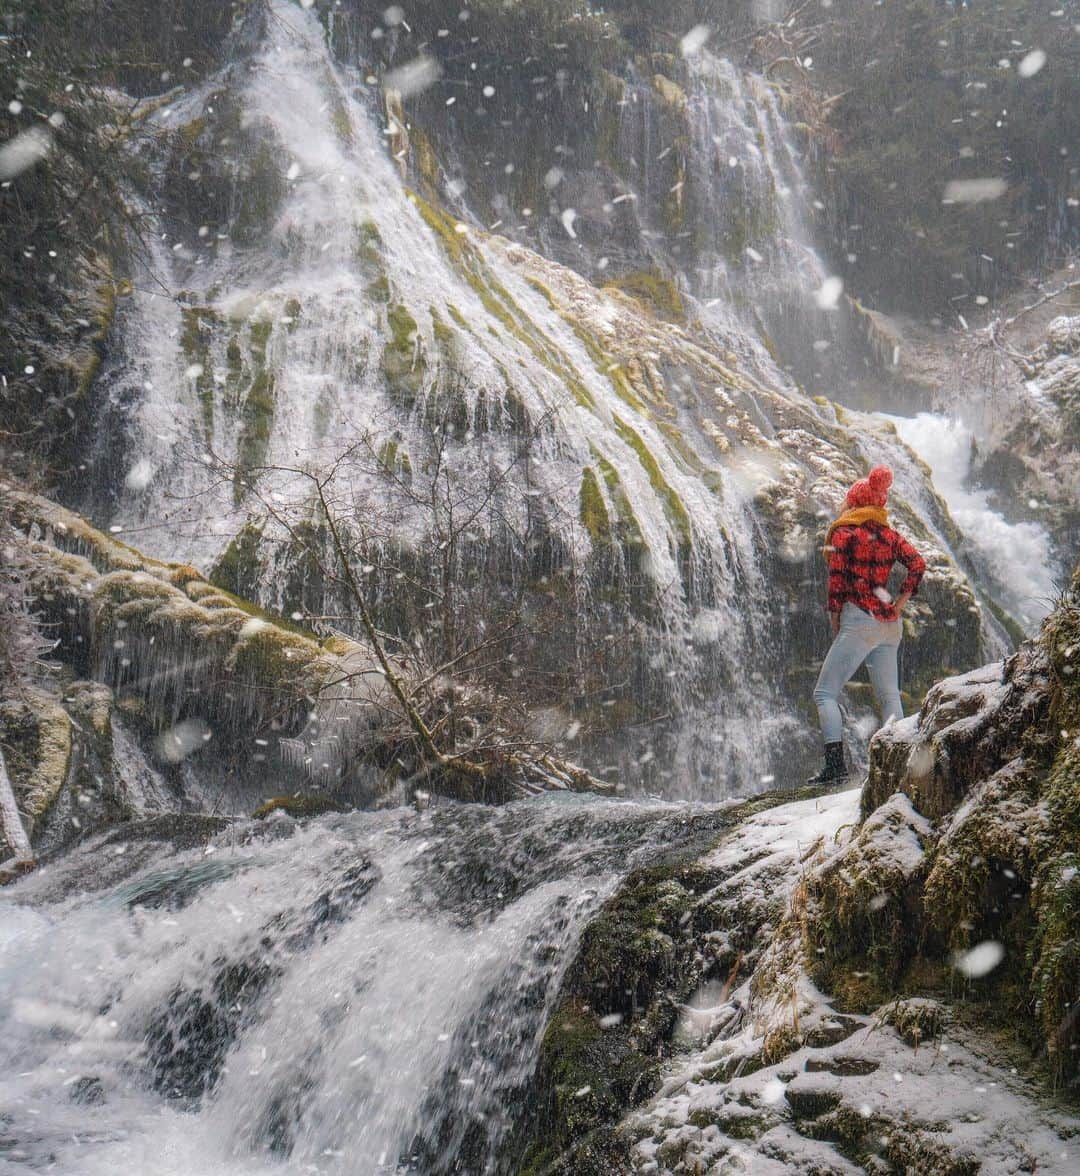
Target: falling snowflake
(22,152)
(180,741)
(829,293)
(1031,63)
(140,474)
(974,191)
(414,77)
(981,960)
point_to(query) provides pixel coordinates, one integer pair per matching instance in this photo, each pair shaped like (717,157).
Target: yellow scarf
(856,517)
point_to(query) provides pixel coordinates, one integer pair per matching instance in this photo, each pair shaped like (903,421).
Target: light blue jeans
(862,638)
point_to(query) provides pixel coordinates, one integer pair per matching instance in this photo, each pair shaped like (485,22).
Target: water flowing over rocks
(774,982)
(158,670)
(651,468)
(583,395)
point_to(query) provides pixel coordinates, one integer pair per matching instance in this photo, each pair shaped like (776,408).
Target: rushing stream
(363,994)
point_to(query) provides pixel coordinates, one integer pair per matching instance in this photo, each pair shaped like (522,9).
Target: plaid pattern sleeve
(860,560)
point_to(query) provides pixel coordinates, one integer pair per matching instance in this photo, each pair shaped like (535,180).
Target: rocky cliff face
(991,762)
(632,463)
(632,469)
(164,693)
(840,951)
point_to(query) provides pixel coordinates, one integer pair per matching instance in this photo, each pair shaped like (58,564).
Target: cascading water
(751,259)
(365,994)
(341,320)
(339,306)
(1015,558)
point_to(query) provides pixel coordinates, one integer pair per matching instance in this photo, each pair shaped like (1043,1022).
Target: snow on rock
(964,732)
(789,1082)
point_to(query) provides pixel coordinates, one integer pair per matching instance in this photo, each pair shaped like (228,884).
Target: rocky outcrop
(150,655)
(1031,454)
(651,976)
(940,921)
(988,773)
(784,1011)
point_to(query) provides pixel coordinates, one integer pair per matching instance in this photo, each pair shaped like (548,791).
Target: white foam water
(364,994)
(1015,557)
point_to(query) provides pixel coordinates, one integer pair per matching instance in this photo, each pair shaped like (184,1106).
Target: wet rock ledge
(887,980)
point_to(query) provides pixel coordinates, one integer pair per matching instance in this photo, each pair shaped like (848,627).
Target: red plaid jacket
(860,560)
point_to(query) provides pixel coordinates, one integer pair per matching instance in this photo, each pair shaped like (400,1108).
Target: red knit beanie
(870,491)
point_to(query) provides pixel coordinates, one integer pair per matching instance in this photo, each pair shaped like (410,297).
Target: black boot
(834,770)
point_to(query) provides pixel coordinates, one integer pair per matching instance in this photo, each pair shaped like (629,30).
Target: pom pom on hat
(872,490)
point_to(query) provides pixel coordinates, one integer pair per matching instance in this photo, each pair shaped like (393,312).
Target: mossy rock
(655,290)
(239,567)
(299,804)
(677,514)
(394,459)
(197,324)
(671,94)
(862,916)
(404,363)
(593,512)
(256,410)
(37,736)
(917,1019)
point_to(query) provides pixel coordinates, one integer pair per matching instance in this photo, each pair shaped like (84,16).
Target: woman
(861,550)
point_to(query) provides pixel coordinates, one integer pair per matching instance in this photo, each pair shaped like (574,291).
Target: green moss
(37,736)
(99,309)
(369,243)
(339,113)
(671,94)
(627,528)
(918,1021)
(497,300)
(444,334)
(299,804)
(673,209)
(589,1074)
(394,459)
(239,567)
(378,290)
(191,130)
(594,515)
(1054,957)
(404,364)
(655,290)
(425,161)
(256,411)
(196,349)
(260,337)
(676,512)
(235,375)
(858,931)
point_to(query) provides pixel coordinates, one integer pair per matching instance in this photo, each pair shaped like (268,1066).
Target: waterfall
(342,317)
(755,250)
(1015,558)
(339,311)
(366,993)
